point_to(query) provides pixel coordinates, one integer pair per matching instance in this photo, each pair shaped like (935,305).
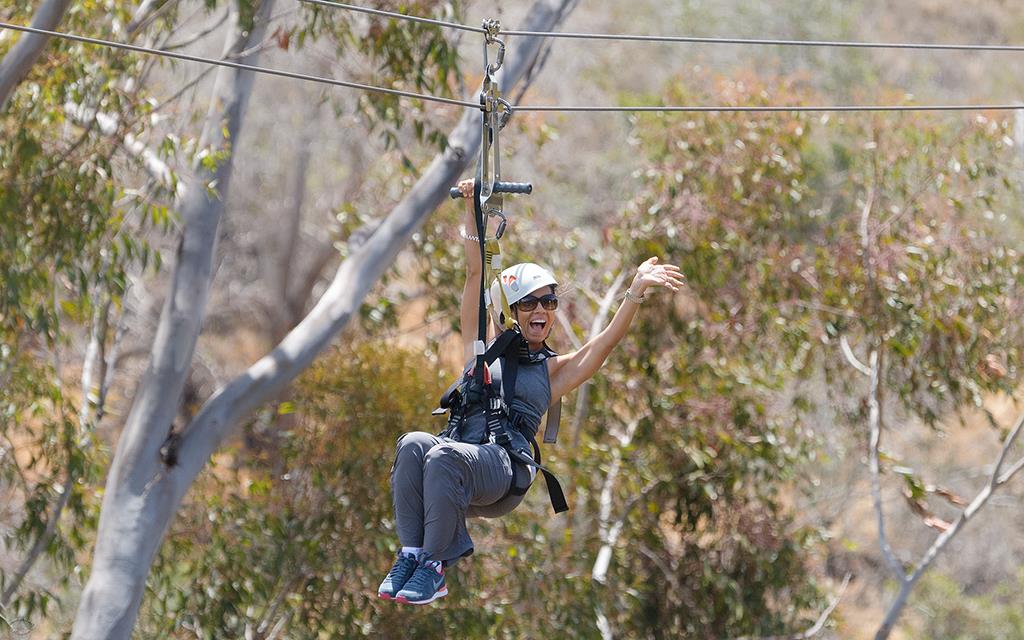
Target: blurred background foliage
(716,463)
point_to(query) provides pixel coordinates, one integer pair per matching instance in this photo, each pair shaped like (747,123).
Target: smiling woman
(482,464)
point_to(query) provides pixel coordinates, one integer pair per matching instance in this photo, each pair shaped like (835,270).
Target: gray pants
(436,483)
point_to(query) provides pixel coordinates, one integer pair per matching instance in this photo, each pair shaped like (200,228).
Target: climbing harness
(475,388)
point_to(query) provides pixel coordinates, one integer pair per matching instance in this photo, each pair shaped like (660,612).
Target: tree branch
(41,542)
(596,326)
(819,624)
(20,58)
(908,582)
(874,422)
(852,358)
(108,125)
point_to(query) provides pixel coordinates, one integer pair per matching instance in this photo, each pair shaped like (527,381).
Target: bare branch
(823,618)
(41,542)
(147,12)
(1006,450)
(567,329)
(19,59)
(852,358)
(874,422)
(819,624)
(199,35)
(600,569)
(1011,471)
(93,356)
(817,306)
(149,159)
(865,215)
(995,480)
(596,326)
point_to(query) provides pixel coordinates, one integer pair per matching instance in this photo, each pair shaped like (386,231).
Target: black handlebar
(525,188)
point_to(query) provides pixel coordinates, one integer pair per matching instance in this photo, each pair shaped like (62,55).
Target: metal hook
(506,114)
(496,213)
(491,30)
(493,68)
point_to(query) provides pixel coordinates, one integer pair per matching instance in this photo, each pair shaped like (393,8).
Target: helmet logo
(511,282)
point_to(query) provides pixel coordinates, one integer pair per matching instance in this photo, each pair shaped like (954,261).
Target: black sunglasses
(529,303)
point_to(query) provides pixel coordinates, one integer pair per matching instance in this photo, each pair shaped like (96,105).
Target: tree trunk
(143,493)
(130,528)
(23,55)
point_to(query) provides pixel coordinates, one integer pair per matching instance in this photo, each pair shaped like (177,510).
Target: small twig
(875,424)
(41,543)
(568,330)
(818,625)
(199,36)
(817,306)
(907,582)
(1011,471)
(852,358)
(865,215)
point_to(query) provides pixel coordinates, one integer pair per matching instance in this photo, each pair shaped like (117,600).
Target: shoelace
(403,566)
(424,578)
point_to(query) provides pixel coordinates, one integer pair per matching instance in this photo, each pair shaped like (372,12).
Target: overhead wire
(560,108)
(392,14)
(763,41)
(680,39)
(238,65)
(771,109)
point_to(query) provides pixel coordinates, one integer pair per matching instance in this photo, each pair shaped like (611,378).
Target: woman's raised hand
(466,187)
(651,274)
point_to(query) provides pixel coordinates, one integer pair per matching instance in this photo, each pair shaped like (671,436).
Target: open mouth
(539,325)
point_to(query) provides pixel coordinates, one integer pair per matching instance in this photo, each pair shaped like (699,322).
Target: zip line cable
(762,41)
(237,65)
(476,105)
(772,109)
(683,39)
(391,14)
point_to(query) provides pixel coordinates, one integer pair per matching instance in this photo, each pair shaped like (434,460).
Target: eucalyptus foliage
(67,237)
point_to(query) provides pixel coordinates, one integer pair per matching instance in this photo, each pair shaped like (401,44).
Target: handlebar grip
(513,187)
(525,188)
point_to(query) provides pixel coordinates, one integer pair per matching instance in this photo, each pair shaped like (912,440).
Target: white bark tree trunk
(23,55)
(129,531)
(142,493)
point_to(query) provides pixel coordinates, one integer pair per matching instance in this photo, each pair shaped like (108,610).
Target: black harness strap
(481,231)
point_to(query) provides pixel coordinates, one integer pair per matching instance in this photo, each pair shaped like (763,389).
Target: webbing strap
(555,493)
(481,229)
(551,426)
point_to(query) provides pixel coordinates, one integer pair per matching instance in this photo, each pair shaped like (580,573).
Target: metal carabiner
(506,113)
(491,30)
(499,59)
(496,213)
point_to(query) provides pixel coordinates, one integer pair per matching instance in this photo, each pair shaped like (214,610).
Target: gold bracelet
(635,299)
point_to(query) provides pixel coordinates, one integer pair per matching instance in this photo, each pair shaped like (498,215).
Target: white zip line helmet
(519,281)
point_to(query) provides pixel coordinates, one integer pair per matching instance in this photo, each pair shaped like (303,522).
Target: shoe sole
(437,594)
(384,596)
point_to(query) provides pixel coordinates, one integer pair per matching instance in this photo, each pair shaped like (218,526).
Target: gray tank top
(531,401)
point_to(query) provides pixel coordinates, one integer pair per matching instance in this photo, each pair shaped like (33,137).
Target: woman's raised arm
(570,370)
(470,309)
